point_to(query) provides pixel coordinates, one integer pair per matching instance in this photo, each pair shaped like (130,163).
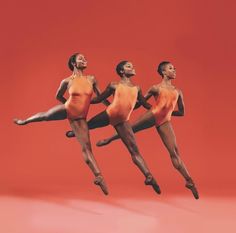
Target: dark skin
(79,126)
(124,129)
(165,131)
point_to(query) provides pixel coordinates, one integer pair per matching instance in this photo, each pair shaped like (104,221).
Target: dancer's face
(169,71)
(81,62)
(128,69)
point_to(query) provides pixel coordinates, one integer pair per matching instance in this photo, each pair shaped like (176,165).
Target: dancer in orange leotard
(125,98)
(117,114)
(80,88)
(166,97)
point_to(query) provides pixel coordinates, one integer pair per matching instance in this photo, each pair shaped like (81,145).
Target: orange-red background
(37,37)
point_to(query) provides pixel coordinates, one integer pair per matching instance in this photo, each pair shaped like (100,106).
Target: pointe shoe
(70,134)
(103,142)
(190,185)
(19,122)
(100,181)
(151,181)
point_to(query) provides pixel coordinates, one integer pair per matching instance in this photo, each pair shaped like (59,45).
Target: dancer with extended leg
(117,114)
(75,109)
(166,97)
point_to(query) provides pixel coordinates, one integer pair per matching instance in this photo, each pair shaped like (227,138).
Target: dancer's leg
(126,134)
(167,135)
(55,113)
(147,120)
(100,120)
(80,128)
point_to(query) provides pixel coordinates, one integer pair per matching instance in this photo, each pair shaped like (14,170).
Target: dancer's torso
(80,91)
(125,98)
(165,103)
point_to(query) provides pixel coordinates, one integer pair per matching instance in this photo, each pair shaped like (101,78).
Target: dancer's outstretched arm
(104,95)
(97,91)
(180,103)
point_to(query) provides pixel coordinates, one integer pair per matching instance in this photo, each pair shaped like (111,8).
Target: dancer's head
(125,69)
(77,61)
(166,69)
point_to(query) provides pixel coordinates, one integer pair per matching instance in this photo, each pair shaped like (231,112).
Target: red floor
(93,213)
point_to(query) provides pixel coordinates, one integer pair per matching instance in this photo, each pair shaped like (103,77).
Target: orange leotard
(125,98)
(165,105)
(80,92)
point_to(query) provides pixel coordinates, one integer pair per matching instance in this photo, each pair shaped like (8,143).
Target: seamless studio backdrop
(37,39)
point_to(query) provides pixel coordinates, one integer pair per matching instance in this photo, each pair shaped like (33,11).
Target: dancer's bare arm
(142,101)
(104,95)
(153,91)
(180,104)
(61,90)
(97,90)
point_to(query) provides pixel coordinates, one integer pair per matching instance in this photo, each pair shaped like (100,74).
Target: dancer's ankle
(98,174)
(189,180)
(148,175)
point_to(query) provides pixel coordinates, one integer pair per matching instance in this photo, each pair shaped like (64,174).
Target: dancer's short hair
(161,67)
(120,67)
(72,60)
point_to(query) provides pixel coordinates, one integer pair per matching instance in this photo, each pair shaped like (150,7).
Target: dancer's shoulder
(113,85)
(67,79)
(91,79)
(179,91)
(155,88)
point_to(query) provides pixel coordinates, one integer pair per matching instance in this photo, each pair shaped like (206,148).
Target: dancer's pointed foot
(190,185)
(19,122)
(103,142)
(151,181)
(70,134)
(100,181)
